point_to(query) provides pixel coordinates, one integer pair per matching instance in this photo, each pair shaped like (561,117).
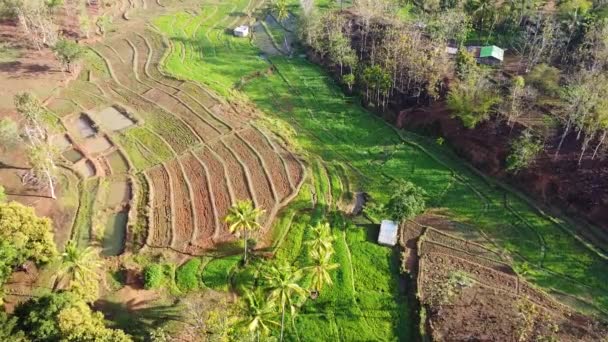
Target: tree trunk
(282,322)
(245,240)
(51,185)
(597,148)
(559,146)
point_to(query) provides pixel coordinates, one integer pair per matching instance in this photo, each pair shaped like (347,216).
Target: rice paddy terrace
(163,115)
(195,154)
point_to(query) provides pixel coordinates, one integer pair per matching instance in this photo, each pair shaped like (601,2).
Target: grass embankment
(336,128)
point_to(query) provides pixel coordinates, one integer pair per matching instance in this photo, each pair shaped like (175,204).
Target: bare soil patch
(160,222)
(183,217)
(469,296)
(202,201)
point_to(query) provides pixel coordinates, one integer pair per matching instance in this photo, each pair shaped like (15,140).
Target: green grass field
(334,127)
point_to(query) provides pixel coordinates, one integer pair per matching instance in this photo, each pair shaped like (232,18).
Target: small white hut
(388,233)
(241,31)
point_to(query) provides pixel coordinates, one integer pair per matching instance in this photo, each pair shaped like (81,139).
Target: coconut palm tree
(283,288)
(77,265)
(319,271)
(259,315)
(242,219)
(322,241)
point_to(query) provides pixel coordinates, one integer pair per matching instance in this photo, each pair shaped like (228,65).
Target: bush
(523,152)
(187,275)
(216,274)
(407,202)
(154,276)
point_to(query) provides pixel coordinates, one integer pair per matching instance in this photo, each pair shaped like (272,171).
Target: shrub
(216,274)
(523,152)
(187,275)
(545,78)
(407,202)
(154,276)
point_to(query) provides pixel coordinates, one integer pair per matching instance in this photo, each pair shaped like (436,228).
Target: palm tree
(282,12)
(259,315)
(320,271)
(77,265)
(283,287)
(323,240)
(242,219)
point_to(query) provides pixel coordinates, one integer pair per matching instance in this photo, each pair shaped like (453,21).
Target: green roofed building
(491,54)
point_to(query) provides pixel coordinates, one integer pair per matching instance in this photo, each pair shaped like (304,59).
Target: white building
(241,31)
(388,233)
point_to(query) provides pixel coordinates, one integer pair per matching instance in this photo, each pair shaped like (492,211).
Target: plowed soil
(161,207)
(202,201)
(272,160)
(259,180)
(494,304)
(220,188)
(182,211)
(235,171)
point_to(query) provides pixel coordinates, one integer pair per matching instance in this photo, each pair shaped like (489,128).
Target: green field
(334,127)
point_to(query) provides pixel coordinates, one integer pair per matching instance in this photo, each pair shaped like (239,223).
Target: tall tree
(64,317)
(407,202)
(242,220)
(320,269)
(283,286)
(79,267)
(41,152)
(35,20)
(322,242)
(473,99)
(67,52)
(259,315)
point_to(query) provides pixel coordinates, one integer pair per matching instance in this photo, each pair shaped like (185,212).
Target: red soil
(235,171)
(183,219)
(278,174)
(221,192)
(259,181)
(489,308)
(160,222)
(202,201)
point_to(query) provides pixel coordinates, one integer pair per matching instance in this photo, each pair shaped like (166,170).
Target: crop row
(192,194)
(461,244)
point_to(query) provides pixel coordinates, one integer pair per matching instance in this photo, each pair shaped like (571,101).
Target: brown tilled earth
(492,303)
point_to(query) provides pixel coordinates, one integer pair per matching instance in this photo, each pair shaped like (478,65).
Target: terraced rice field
(333,127)
(200,154)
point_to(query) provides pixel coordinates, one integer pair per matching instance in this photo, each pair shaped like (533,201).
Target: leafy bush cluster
(187,276)
(523,152)
(154,276)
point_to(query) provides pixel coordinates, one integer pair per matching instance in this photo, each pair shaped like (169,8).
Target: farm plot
(183,216)
(460,296)
(203,201)
(272,161)
(222,189)
(236,172)
(260,184)
(160,231)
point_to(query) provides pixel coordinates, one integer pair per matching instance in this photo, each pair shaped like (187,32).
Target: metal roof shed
(241,31)
(388,233)
(492,51)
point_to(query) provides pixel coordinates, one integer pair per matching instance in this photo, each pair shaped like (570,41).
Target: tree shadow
(138,322)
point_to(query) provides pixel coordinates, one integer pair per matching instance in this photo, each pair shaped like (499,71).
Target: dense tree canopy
(407,202)
(31,235)
(64,317)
